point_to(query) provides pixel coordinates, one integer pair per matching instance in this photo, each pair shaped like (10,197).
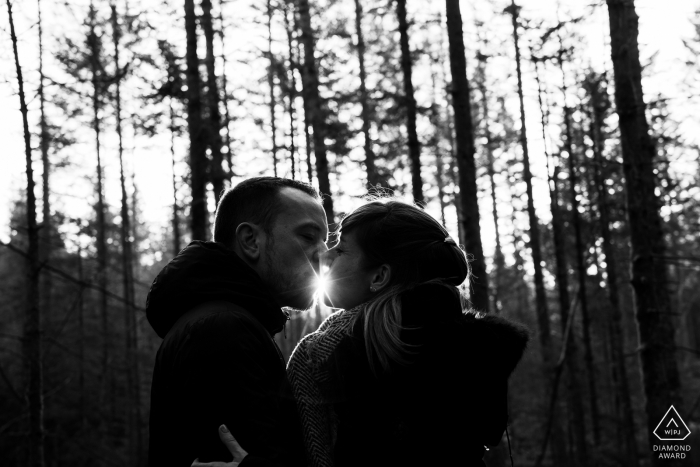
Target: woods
(552,144)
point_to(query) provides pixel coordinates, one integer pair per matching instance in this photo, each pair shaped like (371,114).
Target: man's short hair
(254,200)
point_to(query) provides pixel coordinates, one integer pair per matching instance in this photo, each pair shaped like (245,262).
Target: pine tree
(465,151)
(409,103)
(213,98)
(536,249)
(313,106)
(372,178)
(133,424)
(32,324)
(197,134)
(655,327)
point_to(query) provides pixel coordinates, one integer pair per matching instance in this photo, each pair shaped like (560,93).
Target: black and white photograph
(349,233)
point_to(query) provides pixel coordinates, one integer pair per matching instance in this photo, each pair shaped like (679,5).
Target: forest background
(126,177)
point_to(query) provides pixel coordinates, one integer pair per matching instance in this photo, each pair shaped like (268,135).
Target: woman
(401,375)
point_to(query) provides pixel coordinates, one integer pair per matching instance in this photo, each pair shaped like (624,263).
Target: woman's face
(347,280)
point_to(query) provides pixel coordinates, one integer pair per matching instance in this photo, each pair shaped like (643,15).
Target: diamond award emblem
(672,427)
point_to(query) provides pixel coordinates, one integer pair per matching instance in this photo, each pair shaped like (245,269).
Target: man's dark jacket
(218,364)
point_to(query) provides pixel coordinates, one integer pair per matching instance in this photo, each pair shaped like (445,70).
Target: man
(217,306)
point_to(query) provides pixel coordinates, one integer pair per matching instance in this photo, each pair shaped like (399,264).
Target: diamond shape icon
(672,427)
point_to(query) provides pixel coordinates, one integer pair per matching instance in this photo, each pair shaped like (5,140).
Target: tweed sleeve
(316,419)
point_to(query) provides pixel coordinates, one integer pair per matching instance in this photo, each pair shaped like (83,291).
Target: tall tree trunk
(314,108)
(213,133)
(580,263)
(132,400)
(177,241)
(548,357)
(617,339)
(198,156)
(224,92)
(271,85)
(499,259)
(655,326)
(410,103)
(32,324)
(45,233)
(81,339)
(464,131)
(574,395)
(372,177)
(438,135)
(96,78)
(292,91)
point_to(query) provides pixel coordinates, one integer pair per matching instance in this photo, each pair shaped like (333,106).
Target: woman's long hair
(419,250)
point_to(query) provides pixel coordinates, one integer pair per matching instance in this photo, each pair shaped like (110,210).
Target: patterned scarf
(310,380)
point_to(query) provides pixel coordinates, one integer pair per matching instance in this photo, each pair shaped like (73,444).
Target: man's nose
(326,259)
(318,256)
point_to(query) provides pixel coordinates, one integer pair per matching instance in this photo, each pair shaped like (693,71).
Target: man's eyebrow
(309,225)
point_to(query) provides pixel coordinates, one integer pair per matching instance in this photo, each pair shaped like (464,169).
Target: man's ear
(381,277)
(249,241)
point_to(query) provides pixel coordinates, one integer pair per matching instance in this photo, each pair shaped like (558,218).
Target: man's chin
(301,302)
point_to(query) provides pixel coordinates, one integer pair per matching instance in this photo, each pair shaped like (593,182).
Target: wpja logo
(671,428)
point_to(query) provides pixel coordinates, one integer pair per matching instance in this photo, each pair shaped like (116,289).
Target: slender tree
(198,157)
(224,92)
(98,80)
(465,151)
(372,177)
(271,85)
(580,260)
(499,259)
(410,103)
(547,348)
(618,366)
(437,138)
(177,241)
(313,106)
(213,129)
(575,396)
(655,327)
(291,79)
(44,137)
(133,400)
(32,324)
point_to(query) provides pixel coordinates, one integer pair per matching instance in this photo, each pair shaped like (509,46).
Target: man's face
(290,262)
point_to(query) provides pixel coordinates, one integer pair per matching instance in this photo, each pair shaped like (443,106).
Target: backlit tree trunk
(198,157)
(96,79)
(548,356)
(313,107)
(177,241)
(372,178)
(132,426)
(464,132)
(580,268)
(617,338)
(655,328)
(45,233)
(32,324)
(499,259)
(215,143)
(410,103)
(574,394)
(271,85)
(292,91)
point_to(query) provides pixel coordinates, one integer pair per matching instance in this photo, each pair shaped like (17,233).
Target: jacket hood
(498,342)
(204,272)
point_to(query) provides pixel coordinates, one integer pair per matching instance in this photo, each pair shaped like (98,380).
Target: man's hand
(233,447)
